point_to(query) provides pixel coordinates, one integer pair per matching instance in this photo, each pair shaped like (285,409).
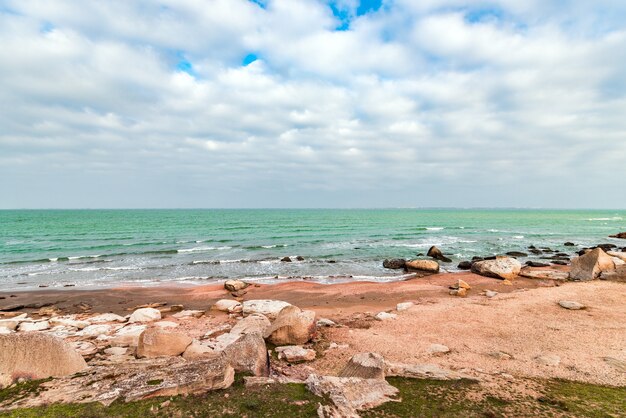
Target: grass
(419,398)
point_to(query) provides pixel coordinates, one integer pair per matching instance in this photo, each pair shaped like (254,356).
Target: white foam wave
(198,249)
(518,236)
(614,218)
(434,228)
(274,246)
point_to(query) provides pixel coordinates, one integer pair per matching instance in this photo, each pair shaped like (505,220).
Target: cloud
(430,103)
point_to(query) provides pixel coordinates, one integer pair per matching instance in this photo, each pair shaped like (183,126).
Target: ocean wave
(199,249)
(434,228)
(105,268)
(614,218)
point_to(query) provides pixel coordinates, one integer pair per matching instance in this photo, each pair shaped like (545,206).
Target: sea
(107,248)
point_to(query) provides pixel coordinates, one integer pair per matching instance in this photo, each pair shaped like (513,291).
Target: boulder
(197,350)
(28,326)
(286,260)
(436,253)
(295,353)
(227,305)
(145,315)
(428,266)
(253,323)
(85,348)
(36,356)
(501,268)
(394,263)
(12,323)
(325,322)
(269,308)
(366,366)
(351,394)
(249,354)
(95,330)
(235,285)
(517,254)
(156,342)
(127,336)
(621,235)
(591,265)
(292,327)
(569,244)
(465,265)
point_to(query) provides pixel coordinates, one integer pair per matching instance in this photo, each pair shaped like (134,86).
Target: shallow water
(102,248)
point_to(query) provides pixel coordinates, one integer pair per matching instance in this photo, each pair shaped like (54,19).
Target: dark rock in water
(569,244)
(517,254)
(536,264)
(419,255)
(561,255)
(465,265)
(624,249)
(621,235)
(560,262)
(436,253)
(536,252)
(491,257)
(394,263)
(300,258)
(286,260)
(331,261)
(477,258)
(606,247)
(532,247)
(583,251)
(547,250)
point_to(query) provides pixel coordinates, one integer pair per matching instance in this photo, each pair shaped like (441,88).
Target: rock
(549,360)
(127,336)
(619,254)
(560,263)
(544,274)
(300,258)
(591,265)
(269,308)
(500,268)
(536,251)
(571,305)
(325,322)
(404,306)
(462,285)
(621,235)
(517,254)
(116,351)
(256,381)
(366,366)
(394,263)
(68,322)
(235,285)
(95,330)
(351,393)
(4,331)
(295,353)
(12,323)
(422,371)
(33,326)
(249,354)
(617,364)
(157,342)
(436,253)
(490,293)
(438,349)
(500,355)
(286,260)
(36,356)
(84,348)
(507,282)
(462,292)
(536,264)
(253,323)
(292,327)
(197,350)
(465,265)
(384,316)
(189,313)
(145,315)
(428,266)
(221,342)
(219,330)
(569,244)
(228,305)
(106,317)
(165,324)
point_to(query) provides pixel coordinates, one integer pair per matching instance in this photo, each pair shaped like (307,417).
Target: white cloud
(414,105)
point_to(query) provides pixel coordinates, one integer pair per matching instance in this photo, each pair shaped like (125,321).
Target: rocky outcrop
(196,350)
(591,265)
(427,266)
(145,315)
(421,371)
(155,342)
(36,356)
(351,394)
(292,327)
(269,308)
(366,366)
(394,263)
(127,336)
(436,253)
(464,265)
(621,235)
(253,323)
(505,268)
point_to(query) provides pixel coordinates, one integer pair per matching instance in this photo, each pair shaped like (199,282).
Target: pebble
(384,316)
(404,306)
(490,293)
(438,349)
(571,305)
(325,322)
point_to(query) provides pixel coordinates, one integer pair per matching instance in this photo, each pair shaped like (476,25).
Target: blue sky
(312,103)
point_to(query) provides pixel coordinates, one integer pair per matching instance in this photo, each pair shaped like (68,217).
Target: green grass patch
(20,391)
(585,400)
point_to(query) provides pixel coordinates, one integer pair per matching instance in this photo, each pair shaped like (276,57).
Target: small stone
(84,348)
(188,314)
(384,316)
(463,285)
(549,360)
(490,293)
(365,366)
(325,322)
(95,330)
(459,292)
(438,349)
(507,282)
(404,306)
(571,305)
(501,355)
(295,353)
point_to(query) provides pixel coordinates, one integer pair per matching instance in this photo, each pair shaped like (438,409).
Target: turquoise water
(103,248)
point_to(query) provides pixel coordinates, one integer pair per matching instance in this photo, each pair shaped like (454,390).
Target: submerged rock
(436,253)
(394,263)
(36,356)
(429,266)
(621,235)
(465,265)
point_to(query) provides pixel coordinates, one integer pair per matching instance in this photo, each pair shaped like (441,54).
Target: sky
(312,103)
